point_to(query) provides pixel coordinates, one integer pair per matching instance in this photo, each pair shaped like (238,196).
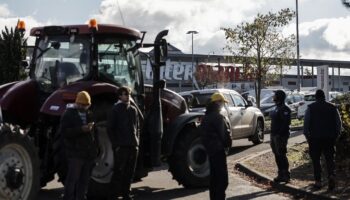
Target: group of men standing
(322,126)
(81,147)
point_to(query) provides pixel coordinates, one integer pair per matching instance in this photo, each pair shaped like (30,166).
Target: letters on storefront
(182,71)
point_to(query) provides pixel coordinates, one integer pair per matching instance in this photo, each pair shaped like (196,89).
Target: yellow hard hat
(218,97)
(83,98)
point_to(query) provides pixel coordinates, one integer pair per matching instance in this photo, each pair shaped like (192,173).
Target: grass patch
(302,171)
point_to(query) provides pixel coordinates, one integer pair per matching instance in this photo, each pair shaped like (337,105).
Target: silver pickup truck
(246,121)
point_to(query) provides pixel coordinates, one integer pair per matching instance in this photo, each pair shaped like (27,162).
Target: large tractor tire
(189,163)
(99,186)
(101,173)
(19,165)
(258,136)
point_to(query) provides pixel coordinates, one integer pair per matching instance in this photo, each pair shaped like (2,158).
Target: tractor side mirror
(163,50)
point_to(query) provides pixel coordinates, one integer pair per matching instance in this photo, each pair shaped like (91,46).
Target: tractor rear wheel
(19,165)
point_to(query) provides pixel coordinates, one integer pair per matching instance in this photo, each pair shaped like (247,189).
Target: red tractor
(98,59)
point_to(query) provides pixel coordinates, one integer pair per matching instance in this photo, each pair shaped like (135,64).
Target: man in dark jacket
(322,126)
(280,121)
(215,132)
(80,146)
(123,130)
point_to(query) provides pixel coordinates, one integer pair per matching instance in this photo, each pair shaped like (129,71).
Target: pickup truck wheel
(189,163)
(258,136)
(19,165)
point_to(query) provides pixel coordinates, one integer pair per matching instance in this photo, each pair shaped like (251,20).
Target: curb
(297,128)
(287,188)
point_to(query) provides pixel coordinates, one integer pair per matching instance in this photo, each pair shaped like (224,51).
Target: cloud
(324,38)
(322,34)
(328,35)
(179,16)
(10,21)
(4,11)
(337,33)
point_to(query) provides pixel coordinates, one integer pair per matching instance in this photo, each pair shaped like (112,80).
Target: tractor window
(116,63)
(61,62)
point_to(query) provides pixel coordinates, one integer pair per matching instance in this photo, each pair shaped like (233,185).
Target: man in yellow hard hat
(80,146)
(215,132)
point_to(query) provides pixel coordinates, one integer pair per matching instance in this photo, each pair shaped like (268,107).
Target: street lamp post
(192,32)
(298,58)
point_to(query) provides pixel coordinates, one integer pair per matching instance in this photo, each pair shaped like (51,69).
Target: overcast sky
(324,24)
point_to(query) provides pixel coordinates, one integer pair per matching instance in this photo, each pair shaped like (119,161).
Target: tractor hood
(56,103)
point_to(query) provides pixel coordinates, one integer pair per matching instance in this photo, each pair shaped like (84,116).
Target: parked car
(263,93)
(310,98)
(294,100)
(246,120)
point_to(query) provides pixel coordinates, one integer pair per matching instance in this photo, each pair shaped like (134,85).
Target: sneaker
(331,184)
(317,185)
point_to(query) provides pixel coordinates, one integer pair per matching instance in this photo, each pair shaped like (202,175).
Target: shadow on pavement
(235,150)
(145,193)
(45,194)
(253,195)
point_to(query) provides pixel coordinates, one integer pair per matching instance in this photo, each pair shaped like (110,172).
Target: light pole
(298,58)
(192,32)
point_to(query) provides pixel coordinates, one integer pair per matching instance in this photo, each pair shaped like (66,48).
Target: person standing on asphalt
(322,126)
(280,122)
(80,146)
(123,131)
(215,133)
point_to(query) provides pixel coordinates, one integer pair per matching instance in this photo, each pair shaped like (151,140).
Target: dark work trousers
(317,147)
(218,175)
(77,180)
(124,169)
(279,148)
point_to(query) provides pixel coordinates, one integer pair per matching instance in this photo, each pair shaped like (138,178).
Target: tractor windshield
(61,61)
(118,64)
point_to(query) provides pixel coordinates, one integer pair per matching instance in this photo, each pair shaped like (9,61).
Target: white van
(310,98)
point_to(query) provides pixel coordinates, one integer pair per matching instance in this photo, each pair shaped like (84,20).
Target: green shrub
(343,144)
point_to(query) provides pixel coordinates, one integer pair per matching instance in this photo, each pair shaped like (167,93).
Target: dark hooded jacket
(123,125)
(322,120)
(77,144)
(281,116)
(215,130)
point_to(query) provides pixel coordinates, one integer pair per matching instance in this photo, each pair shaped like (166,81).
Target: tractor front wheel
(19,165)
(189,163)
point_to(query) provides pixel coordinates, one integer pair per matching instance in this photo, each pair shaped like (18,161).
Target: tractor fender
(20,102)
(5,87)
(175,127)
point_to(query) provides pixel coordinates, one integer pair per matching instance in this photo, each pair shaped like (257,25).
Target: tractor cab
(67,54)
